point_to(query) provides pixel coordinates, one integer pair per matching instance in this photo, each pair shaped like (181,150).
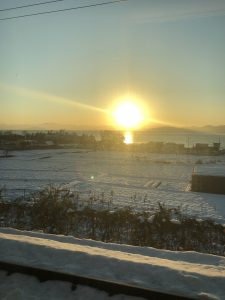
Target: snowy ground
(190,274)
(115,180)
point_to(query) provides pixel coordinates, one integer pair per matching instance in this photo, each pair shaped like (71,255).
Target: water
(188,140)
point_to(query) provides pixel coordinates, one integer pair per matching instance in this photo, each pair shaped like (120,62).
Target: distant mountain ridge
(219,129)
(207,129)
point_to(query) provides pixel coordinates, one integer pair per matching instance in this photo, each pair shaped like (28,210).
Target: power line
(61,10)
(29,5)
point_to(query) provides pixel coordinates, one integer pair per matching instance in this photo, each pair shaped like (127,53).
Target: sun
(128,115)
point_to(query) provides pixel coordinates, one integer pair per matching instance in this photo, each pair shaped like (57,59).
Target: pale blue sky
(170,53)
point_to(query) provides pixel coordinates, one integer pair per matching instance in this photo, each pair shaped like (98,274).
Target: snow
(21,287)
(115,179)
(190,274)
(210,171)
(175,221)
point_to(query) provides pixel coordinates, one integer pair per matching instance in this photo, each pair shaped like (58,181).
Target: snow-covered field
(115,179)
(191,274)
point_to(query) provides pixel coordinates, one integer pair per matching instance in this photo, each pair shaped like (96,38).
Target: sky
(70,69)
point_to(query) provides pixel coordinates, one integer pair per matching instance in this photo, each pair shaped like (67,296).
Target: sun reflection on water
(128,137)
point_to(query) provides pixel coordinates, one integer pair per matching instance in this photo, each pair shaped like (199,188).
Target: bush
(54,211)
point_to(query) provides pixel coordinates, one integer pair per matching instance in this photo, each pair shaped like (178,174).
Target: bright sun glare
(128,138)
(128,115)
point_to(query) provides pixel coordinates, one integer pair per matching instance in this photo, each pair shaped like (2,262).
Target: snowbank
(210,171)
(190,274)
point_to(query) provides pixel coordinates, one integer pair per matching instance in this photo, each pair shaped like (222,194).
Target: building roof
(210,171)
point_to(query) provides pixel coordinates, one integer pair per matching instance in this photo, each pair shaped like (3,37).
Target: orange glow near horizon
(29,107)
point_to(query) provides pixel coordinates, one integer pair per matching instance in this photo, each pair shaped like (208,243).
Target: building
(209,180)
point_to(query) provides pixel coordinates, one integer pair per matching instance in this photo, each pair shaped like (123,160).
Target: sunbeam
(51,98)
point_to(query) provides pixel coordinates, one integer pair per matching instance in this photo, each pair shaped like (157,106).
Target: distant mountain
(207,129)
(52,126)
(220,129)
(171,130)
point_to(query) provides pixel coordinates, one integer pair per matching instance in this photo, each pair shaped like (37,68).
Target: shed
(209,180)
